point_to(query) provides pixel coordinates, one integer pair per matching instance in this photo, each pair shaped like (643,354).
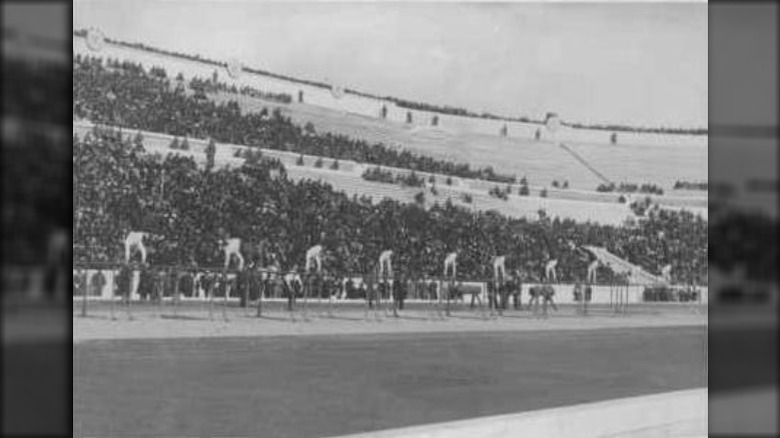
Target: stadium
(256,254)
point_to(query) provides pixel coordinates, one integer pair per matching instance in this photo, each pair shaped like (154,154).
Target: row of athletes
(314,255)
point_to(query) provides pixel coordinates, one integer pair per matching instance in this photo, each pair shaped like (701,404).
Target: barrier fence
(258,290)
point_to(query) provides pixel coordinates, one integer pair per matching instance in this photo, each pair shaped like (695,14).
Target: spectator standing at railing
(98,282)
(124,281)
(577,291)
(517,290)
(145,282)
(399,290)
(433,293)
(369,281)
(186,284)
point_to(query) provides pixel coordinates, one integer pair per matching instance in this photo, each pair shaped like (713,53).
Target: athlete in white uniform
(666,273)
(232,246)
(592,267)
(314,254)
(292,279)
(135,239)
(451,262)
(549,270)
(499,268)
(386,264)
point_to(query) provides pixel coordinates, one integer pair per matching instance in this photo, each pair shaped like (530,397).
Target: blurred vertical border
(36,223)
(743,178)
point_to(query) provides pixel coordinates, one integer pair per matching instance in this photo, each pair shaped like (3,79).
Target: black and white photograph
(392,219)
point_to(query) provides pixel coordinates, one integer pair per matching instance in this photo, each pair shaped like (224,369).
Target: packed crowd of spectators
(453,111)
(203,87)
(124,94)
(630,188)
(638,129)
(118,188)
(500,193)
(377,174)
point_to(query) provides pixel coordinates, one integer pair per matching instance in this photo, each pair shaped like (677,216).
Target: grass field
(332,385)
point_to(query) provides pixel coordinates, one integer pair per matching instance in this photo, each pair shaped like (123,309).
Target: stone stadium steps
(541,161)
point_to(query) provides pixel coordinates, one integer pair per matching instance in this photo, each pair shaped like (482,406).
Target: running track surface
(334,385)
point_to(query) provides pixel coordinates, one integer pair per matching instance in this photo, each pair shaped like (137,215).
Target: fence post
(85,290)
(449,294)
(225,290)
(611,296)
(261,290)
(113,295)
(210,291)
(330,298)
(176,279)
(628,298)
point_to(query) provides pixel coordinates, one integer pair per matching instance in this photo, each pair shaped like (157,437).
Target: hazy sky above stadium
(637,63)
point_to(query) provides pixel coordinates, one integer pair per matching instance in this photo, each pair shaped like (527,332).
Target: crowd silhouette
(118,188)
(125,94)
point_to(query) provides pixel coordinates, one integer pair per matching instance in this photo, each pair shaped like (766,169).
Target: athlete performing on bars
(451,263)
(592,271)
(666,273)
(232,247)
(499,269)
(386,264)
(314,256)
(135,241)
(550,272)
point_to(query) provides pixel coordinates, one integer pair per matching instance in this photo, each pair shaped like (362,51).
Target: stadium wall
(372,107)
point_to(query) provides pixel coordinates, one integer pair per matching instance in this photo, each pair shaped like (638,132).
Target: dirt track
(197,322)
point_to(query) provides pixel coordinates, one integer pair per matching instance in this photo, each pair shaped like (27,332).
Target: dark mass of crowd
(125,94)
(118,188)
(630,188)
